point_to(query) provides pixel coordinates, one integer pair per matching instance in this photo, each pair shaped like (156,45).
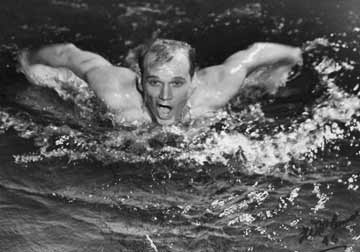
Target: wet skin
(166,88)
(168,91)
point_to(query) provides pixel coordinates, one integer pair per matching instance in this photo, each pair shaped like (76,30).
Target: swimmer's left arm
(222,82)
(262,54)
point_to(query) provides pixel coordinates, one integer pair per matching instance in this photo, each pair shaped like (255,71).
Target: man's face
(166,87)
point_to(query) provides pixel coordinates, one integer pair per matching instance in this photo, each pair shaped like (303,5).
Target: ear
(194,79)
(139,85)
(193,85)
(195,74)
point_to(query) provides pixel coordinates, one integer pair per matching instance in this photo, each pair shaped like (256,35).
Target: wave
(235,139)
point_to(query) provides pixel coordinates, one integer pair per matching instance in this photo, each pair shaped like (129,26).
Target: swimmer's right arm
(115,86)
(68,56)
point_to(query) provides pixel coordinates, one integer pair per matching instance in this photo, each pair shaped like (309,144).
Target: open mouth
(164,110)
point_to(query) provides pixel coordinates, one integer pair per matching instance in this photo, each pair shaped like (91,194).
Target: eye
(153,83)
(178,83)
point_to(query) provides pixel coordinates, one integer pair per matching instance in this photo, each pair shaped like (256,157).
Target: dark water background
(70,181)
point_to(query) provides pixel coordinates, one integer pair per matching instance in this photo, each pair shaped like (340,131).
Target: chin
(165,122)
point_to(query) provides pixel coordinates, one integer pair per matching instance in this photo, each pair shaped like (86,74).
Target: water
(276,173)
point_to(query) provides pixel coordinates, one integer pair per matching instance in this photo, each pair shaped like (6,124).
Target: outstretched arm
(262,54)
(222,82)
(68,56)
(50,67)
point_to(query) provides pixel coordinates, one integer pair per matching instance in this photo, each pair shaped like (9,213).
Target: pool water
(269,173)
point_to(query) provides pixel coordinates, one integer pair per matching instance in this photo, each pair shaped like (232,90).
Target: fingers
(298,56)
(23,60)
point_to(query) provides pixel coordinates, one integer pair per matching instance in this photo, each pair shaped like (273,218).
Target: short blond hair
(163,50)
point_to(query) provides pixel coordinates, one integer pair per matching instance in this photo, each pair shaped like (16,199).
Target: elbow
(256,49)
(64,50)
(68,46)
(258,44)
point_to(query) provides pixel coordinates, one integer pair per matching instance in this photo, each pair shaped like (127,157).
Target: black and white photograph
(180,126)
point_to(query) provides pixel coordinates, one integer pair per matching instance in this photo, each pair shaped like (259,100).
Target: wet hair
(163,51)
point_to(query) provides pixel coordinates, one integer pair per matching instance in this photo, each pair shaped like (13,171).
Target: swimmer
(163,86)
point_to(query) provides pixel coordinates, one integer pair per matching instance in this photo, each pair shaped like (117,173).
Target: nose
(166,92)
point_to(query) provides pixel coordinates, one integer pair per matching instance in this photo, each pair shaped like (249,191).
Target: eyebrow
(152,77)
(179,78)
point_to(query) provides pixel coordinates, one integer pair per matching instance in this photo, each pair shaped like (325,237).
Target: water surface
(275,173)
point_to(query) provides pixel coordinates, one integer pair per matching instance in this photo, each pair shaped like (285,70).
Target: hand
(23,59)
(298,59)
(298,63)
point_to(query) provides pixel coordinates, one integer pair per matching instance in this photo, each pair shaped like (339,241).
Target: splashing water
(247,179)
(255,152)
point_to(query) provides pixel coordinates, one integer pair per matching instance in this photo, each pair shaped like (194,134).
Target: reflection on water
(276,173)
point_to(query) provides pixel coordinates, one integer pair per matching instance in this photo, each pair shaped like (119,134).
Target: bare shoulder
(117,88)
(214,86)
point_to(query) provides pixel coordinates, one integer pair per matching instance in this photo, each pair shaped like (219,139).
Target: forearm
(261,54)
(67,56)
(58,55)
(269,53)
